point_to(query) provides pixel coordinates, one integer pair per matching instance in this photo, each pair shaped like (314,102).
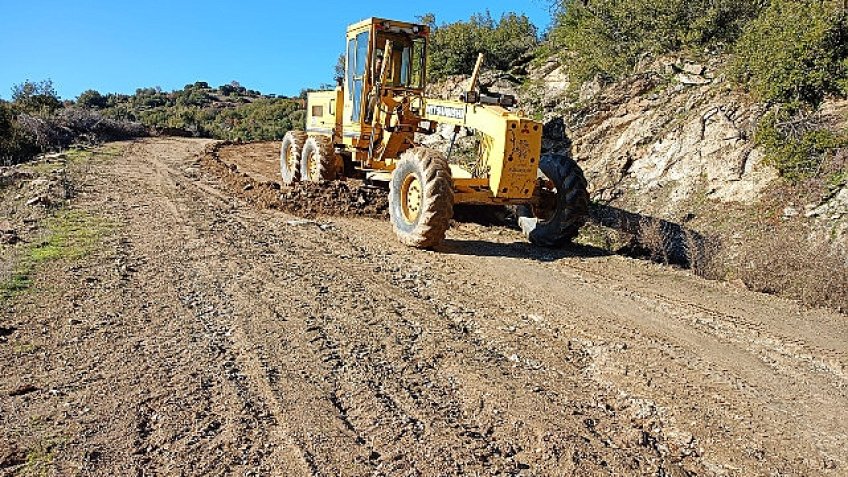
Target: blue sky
(273,46)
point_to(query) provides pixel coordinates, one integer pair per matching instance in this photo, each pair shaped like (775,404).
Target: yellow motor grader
(368,127)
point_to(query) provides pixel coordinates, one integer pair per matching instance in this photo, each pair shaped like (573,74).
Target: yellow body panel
(324,113)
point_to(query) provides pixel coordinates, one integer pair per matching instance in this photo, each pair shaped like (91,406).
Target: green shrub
(795,144)
(16,144)
(454,47)
(795,51)
(607,37)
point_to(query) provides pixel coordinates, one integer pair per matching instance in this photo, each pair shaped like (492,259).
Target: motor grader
(368,126)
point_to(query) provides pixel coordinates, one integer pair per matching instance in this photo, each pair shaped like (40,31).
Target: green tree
(92,99)
(339,70)
(454,47)
(36,96)
(513,37)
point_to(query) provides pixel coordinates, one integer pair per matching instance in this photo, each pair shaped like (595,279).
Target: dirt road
(208,336)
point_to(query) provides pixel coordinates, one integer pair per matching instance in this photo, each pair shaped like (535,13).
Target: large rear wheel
(557,221)
(290,154)
(421,198)
(319,161)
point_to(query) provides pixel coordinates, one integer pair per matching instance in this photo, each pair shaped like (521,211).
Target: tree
(92,99)
(606,37)
(339,70)
(454,47)
(36,97)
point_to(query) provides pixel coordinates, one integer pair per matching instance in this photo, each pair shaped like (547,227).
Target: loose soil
(213,332)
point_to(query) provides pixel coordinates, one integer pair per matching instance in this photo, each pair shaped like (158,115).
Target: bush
(454,47)
(795,51)
(783,261)
(266,119)
(607,37)
(16,145)
(74,125)
(795,143)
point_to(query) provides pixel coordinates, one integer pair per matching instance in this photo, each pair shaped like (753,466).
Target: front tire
(421,198)
(559,226)
(290,154)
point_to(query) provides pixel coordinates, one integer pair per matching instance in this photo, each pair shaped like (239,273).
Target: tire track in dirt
(254,412)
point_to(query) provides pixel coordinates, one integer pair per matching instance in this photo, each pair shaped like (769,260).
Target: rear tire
(570,208)
(319,161)
(290,154)
(421,198)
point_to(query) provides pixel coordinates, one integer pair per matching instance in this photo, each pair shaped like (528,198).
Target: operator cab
(405,69)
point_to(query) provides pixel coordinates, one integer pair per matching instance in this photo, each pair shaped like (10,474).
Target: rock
(790,212)
(35,183)
(694,69)
(38,200)
(8,235)
(590,89)
(11,456)
(297,223)
(247,187)
(835,207)
(692,80)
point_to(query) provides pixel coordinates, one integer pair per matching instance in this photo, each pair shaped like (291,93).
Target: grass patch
(71,235)
(21,348)
(39,458)
(74,155)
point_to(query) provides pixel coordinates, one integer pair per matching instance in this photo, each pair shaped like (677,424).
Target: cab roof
(368,22)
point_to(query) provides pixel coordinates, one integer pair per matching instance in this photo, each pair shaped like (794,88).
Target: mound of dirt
(350,198)
(337,198)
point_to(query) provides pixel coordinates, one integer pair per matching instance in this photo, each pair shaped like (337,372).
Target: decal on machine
(520,147)
(445,111)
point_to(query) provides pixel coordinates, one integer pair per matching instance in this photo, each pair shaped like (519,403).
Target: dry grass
(655,238)
(704,255)
(782,261)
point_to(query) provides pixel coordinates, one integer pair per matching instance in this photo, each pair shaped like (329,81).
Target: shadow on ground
(650,238)
(524,250)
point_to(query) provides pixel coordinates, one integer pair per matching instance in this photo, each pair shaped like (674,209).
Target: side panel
(322,113)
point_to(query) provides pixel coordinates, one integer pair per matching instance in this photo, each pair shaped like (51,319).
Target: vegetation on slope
(37,120)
